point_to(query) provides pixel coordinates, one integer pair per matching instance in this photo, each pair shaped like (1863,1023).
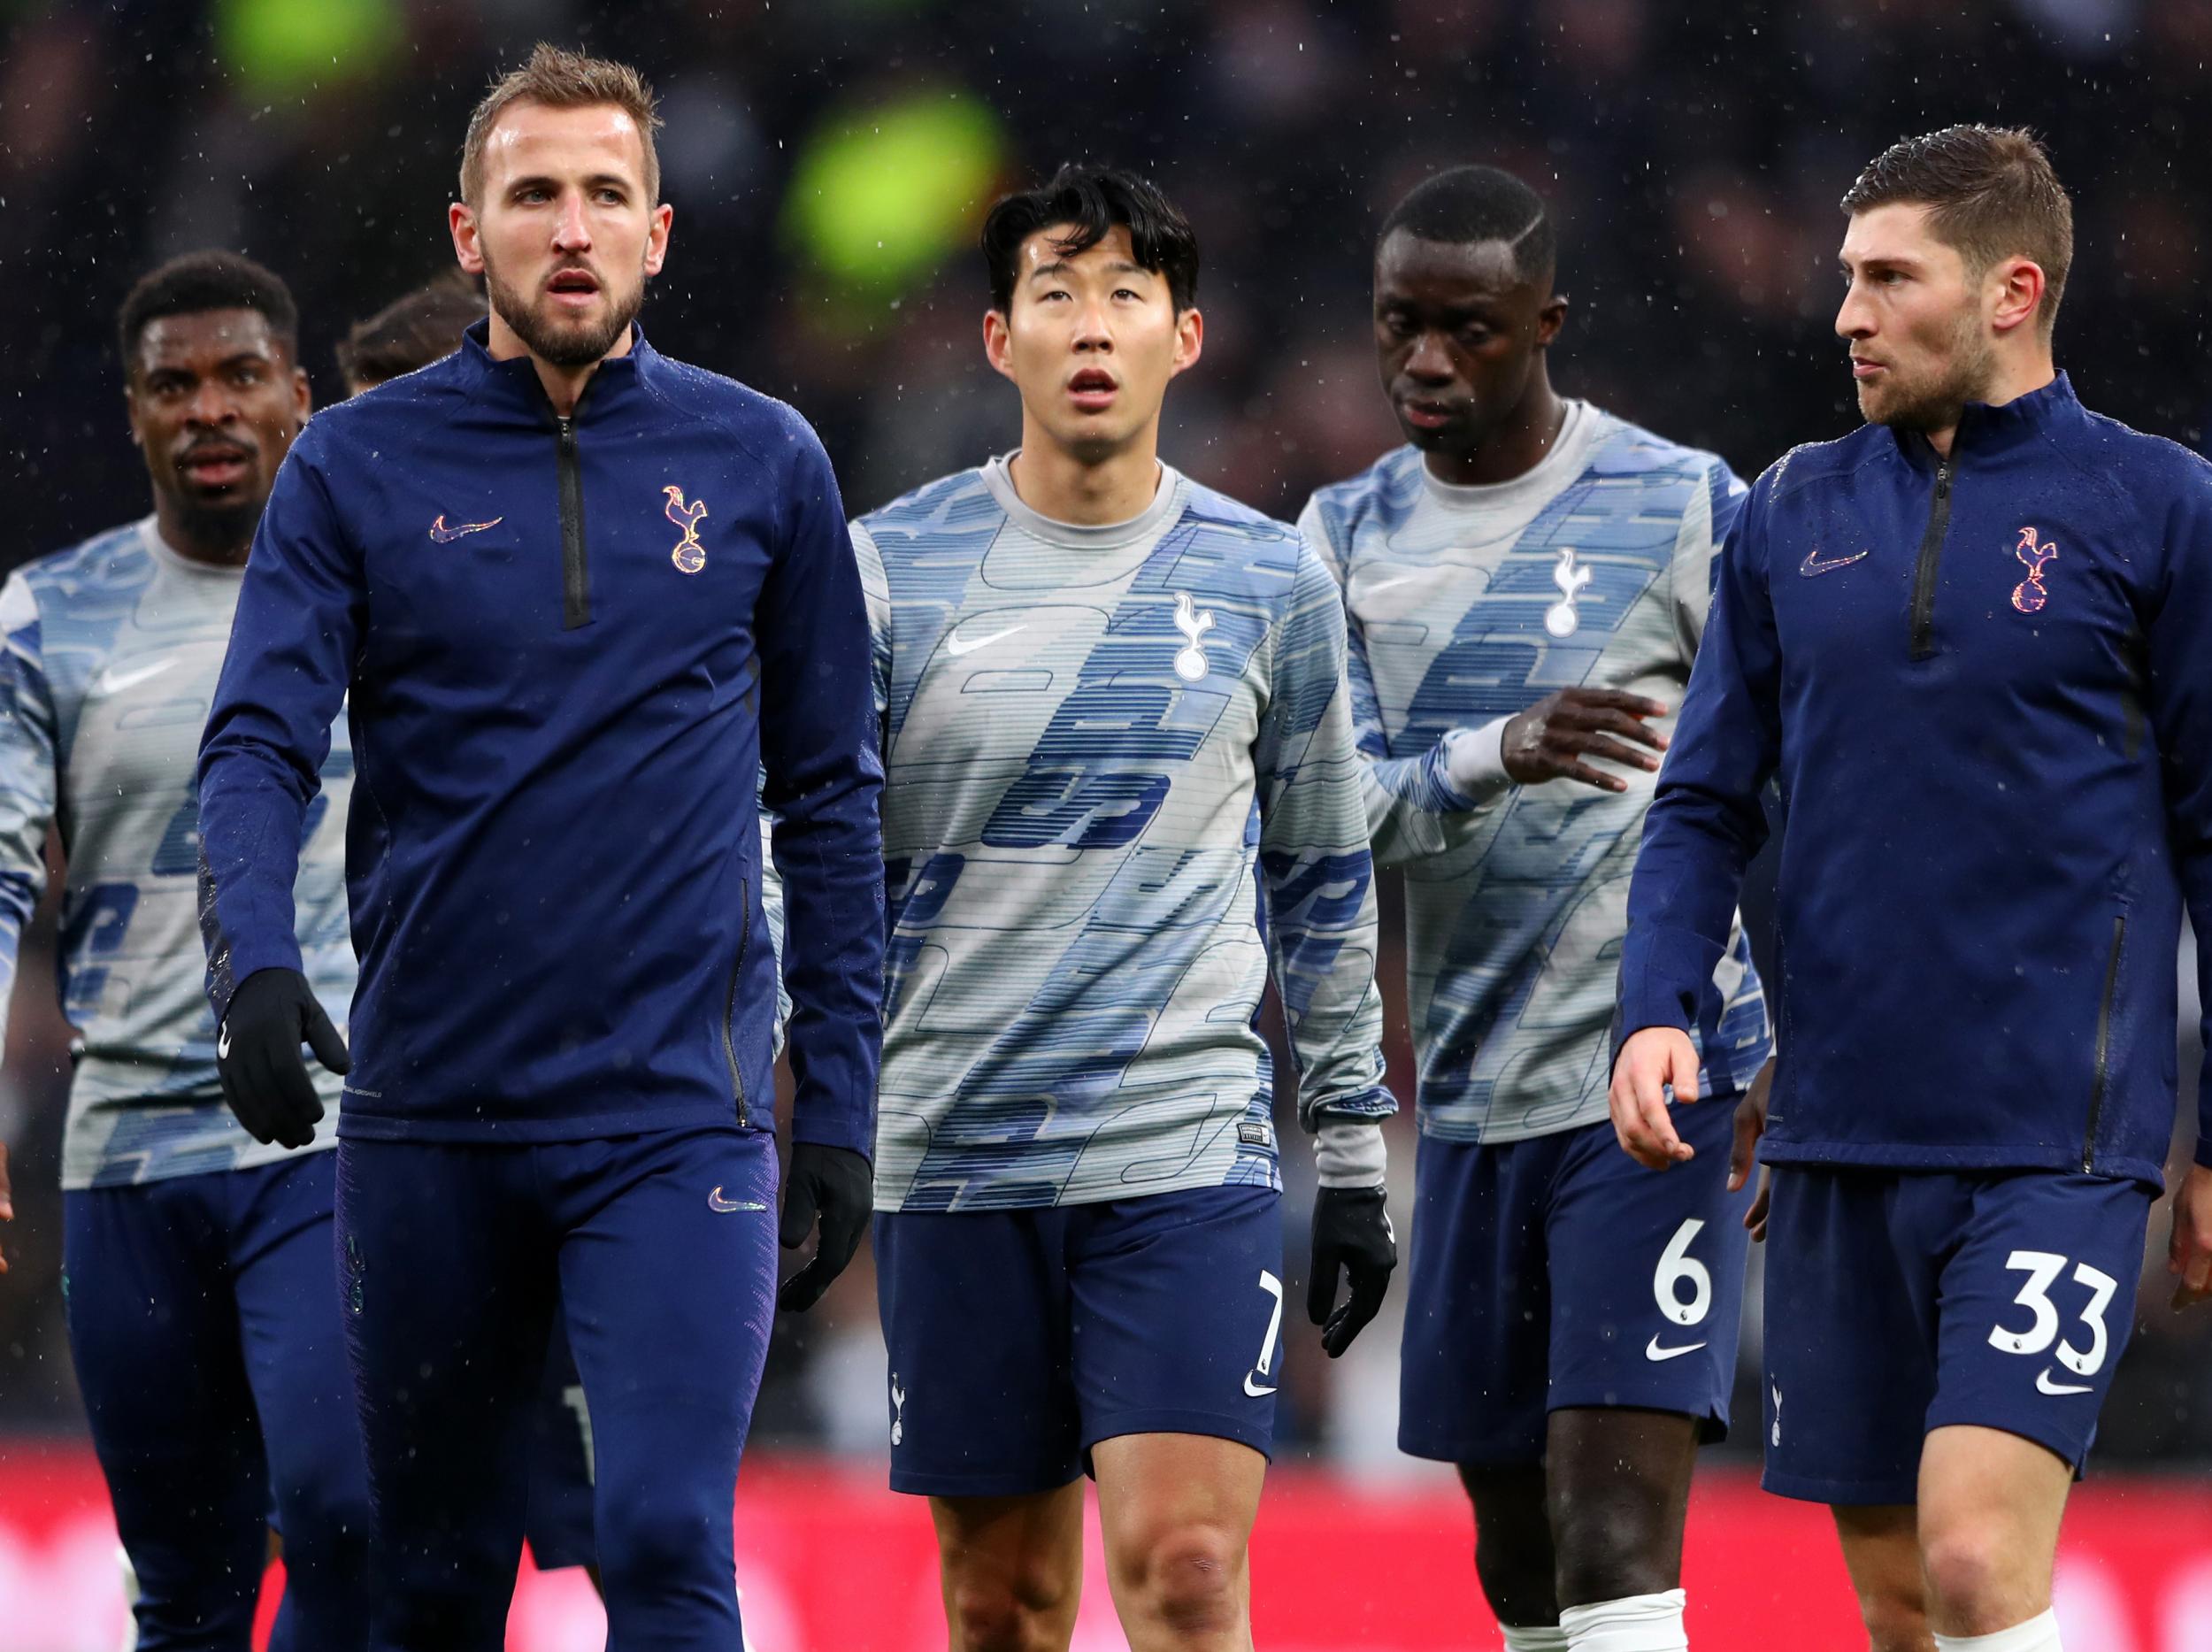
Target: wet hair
(411,332)
(1092,199)
(198,282)
(1991,194)
(1469,205)
(562,79)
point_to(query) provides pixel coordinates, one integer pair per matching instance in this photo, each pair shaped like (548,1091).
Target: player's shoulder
(1213,512)
(2135,459)
(948,509)
(1620,447)
(765,425)
(1811,463)
(112,564)
(1381,496)
(400,412)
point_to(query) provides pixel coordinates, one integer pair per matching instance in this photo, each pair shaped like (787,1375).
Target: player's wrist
(1474,762)
(1351,1153)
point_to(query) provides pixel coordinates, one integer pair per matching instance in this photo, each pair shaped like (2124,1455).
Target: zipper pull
(1943,477)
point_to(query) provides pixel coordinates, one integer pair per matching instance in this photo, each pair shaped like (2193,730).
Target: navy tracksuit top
(1985,683)
(568,650)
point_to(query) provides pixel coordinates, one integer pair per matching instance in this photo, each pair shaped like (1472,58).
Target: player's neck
(564,386)
(2024,375)
(1062,487)
(1523,439)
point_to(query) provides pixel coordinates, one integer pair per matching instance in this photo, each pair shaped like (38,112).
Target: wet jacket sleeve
(27,774)
(1407,800)
(824,784)
(1705,822)
(292,647)
(1313,862)
(2180,709)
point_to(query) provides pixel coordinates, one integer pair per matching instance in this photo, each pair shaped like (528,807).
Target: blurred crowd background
(829,161)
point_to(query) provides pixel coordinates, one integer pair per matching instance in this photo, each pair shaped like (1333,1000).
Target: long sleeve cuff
(1346,1155)
(1474,763)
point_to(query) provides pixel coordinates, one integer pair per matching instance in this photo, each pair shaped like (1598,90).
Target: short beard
(219,532)
(1939,405)
(572,346)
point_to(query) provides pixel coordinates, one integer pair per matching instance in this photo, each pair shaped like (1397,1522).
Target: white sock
(1541,1638)
(1636,1623)
(2038,1634)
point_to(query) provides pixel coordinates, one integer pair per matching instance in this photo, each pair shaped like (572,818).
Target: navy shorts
(1899,1301)
(1020,1339)
(1558,1272)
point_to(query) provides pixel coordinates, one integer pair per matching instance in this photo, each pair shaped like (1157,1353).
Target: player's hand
(1649,1061)
(1351,1230)
(7,1200)
(2190,1253)
(257,1055)
(1743,1153)
(838,1185)
(1549,741)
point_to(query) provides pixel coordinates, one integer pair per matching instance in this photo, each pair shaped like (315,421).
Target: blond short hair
(562,79)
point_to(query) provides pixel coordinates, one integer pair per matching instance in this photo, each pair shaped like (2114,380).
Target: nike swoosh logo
(1813,566)
(446,535)
(2044,1385)
(222,1043)
(1652,1351)
(1258,1394)
(715,1201)
(954,647)
(112,681)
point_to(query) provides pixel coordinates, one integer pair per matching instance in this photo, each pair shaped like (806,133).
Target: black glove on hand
(838,1185)
(1352,1231)
(258,1053)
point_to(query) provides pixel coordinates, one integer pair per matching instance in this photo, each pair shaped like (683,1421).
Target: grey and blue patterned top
(110,658)
(1120,774)
(1467,605)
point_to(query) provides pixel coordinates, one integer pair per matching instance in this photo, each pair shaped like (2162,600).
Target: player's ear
(460,219)
(1550,318)
(1190,339)
(2013,289)
(998,342)
(657,238)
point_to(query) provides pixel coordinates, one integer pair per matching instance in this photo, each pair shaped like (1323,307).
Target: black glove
(1352,1231)
(838,1185)
(258,1053)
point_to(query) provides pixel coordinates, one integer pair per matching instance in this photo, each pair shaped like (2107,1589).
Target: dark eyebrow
(595,182)
(1061,267)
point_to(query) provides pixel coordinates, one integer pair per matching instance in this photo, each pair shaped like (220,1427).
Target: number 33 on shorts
(2043,1268)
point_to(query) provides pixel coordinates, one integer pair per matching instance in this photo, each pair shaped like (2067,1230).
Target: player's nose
(1855,317)
(572,231)
(1428,359)
(1092,331)
(212,403)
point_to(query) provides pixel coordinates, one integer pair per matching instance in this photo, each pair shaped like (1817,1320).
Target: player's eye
(610,197)
(1123,292)
(247,375)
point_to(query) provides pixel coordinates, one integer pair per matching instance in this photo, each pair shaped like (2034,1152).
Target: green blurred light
(285,46)
(879,197)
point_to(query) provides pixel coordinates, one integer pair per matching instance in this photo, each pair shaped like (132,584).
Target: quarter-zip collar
(515,384)
(1986,431)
